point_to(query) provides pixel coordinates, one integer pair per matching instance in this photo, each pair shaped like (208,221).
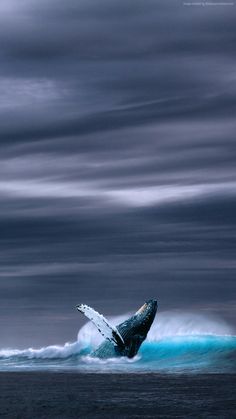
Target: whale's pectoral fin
(104,327)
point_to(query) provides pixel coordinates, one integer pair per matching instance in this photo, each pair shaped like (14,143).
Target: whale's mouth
(142,309)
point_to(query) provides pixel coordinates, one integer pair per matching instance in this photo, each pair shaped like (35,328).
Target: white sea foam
(47,352)
(120,360)
(176,323)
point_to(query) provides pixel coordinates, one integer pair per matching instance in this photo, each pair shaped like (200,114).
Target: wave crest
(176,341)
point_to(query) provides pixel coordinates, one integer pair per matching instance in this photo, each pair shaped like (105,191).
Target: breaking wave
(177,342)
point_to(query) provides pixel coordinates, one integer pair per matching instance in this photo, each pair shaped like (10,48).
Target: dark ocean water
(70,395)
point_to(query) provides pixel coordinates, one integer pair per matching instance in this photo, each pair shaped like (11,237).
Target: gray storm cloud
(117,161)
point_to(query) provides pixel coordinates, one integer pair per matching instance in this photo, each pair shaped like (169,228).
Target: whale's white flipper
(105,328)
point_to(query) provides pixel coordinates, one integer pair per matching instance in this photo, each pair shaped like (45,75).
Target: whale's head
(135,329)
(145,315)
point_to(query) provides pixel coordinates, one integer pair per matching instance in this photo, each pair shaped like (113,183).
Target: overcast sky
(117,161)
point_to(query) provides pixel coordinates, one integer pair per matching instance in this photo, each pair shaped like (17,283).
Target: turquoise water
(178,354)
(169,348)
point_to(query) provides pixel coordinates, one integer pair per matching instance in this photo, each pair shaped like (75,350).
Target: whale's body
(126,338)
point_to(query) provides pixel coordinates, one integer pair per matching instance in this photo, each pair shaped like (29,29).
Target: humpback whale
(126,338)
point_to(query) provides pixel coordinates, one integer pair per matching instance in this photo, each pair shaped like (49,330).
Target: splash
(166,324)
(177,342)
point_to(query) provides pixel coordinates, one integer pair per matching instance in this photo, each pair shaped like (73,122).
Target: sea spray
(166,324)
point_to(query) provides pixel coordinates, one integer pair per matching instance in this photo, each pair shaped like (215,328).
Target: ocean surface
(177,343)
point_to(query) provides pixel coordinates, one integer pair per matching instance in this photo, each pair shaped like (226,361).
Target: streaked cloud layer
(117,161)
